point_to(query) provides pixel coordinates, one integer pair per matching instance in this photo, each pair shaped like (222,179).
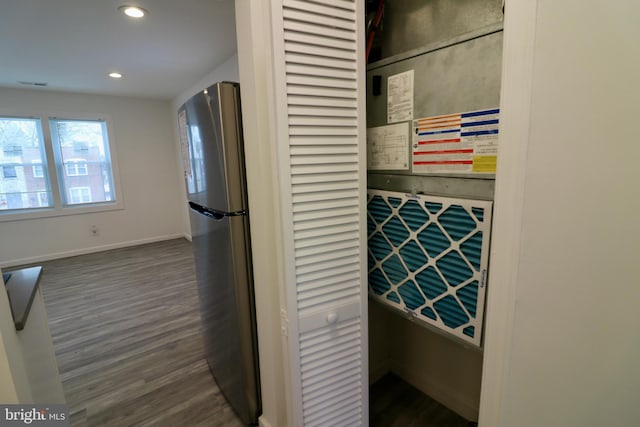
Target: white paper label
(400,97)
(388,147)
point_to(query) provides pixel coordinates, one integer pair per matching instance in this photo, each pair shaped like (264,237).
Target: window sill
(27,214)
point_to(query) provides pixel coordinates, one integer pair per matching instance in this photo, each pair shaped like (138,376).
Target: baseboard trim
(439,392)
(89,250)
(263,422)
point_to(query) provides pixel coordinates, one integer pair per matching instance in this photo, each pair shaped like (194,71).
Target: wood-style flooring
(394,403)
(126,331)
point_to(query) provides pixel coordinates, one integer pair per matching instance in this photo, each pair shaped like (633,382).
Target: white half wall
(570,355)
(145,153)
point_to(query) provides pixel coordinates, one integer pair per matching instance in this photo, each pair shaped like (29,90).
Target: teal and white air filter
(428,257)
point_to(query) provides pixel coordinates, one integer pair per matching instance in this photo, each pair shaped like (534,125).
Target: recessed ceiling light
(115,75)
(133,11)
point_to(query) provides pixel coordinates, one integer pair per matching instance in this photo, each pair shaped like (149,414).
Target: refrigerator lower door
(225,287)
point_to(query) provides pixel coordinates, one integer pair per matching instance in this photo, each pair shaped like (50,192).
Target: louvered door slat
(320,186)
(326,300)
(318,40)
(323,121)
(313,101)
(319,61)
(327,281)
(322,111)
(339,344)
(301,220)
(331,290)
(324,206)
(342,4)
(319,9)
(323,177)
(349,251)
(321,148)
(325,168)
(335,73)
(338,83)
(320,51)
(326,195)
(294,89)
(321,241)
(303,253)
(318,389)
(327,294)
(323,222)
(309,28)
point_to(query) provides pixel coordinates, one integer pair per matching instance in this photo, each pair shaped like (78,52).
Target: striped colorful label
(456,143)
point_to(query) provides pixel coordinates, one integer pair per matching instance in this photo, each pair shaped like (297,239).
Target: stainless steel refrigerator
(211,136)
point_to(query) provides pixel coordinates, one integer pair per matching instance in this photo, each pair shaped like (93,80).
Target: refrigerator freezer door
(226,302)
(216,156)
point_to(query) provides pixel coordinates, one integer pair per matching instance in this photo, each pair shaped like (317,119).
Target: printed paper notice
(400,97)
(184,143)
(388,147)
(456,143)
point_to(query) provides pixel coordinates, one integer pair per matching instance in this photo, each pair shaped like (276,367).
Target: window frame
(53,170)
(36,165)
(77,188)
(6,168)
(77,165)
(40,197)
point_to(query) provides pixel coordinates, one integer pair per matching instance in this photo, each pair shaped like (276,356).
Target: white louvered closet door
(319,78)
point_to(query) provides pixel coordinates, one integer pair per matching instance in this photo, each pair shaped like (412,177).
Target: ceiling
(73,44)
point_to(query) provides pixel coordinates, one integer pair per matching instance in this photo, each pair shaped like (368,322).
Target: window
(81,146)
(21,142)
(38,172)
(12,149)
(76,167)
(43,198)
(9,171)
(79,195)
(93,170)
(82,169)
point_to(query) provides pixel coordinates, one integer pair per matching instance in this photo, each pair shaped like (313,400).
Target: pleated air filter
(428,257)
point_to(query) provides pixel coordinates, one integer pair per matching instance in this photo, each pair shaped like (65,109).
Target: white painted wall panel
(149,178)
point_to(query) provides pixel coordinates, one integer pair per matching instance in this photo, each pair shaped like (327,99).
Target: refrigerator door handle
(212,213)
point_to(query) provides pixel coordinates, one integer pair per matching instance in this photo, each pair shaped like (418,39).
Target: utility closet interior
(433,96)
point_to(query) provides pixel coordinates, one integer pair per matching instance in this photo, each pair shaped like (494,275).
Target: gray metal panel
(447,186)
(453,78)
(410,24)
(216,149)
(225,287)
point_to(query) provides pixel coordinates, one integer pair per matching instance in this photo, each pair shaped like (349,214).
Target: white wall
(444,369)
(256,86)
(145,153)
(564,345)
(227,71)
